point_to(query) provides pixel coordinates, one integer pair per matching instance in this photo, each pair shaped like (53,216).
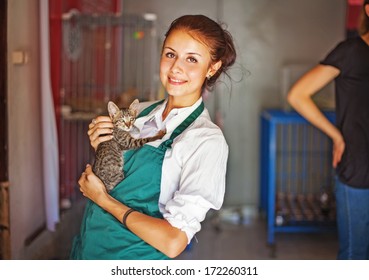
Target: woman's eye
(169,55)
(192,59)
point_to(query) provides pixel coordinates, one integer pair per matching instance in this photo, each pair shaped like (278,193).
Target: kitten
(108,164)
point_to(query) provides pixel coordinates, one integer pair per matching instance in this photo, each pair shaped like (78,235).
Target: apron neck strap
(186,123)
(147,110)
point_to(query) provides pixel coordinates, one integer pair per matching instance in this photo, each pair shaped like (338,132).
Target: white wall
(25,165)
(268,34)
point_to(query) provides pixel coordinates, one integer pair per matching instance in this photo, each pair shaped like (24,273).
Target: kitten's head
(123,118)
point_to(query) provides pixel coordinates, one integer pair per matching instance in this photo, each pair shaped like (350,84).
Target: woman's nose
(176,66)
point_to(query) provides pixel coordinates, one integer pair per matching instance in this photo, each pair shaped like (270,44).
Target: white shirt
(194,169)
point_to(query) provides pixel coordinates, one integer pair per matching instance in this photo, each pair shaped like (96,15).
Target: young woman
(170,184)
(348,64)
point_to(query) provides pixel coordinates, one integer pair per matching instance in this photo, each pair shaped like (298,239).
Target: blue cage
(296,174)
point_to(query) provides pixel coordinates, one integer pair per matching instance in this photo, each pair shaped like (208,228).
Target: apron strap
(186,123)
(147,110)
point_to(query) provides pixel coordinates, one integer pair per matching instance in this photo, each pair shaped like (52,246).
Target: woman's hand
(91,186)
(338,149)
(100,130)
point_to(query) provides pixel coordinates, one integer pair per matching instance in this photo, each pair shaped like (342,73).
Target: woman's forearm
(308,109)
(300,98)
(155,231)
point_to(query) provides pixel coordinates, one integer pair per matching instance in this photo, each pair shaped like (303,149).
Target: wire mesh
(304,179)
(105,57)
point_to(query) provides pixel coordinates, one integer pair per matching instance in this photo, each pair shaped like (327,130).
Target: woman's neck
(177,103)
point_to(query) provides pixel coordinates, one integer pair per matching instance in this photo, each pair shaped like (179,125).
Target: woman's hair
(218,40)
(364,20)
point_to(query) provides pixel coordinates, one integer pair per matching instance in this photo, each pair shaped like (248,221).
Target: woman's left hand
(338,149)
(91,186)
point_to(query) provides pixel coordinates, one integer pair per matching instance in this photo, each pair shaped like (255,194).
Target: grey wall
(268,34)
(24,105)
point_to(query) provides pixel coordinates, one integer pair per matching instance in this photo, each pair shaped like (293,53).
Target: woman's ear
(214,68)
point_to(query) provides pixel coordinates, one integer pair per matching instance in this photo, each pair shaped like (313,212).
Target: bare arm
(300,99)
(157,232)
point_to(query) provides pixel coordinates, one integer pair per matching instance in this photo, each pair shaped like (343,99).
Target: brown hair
(364,20)
(210,33)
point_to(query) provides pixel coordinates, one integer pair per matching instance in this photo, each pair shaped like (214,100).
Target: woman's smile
(175,81)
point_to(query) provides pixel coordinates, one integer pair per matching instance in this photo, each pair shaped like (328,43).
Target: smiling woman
(171,183)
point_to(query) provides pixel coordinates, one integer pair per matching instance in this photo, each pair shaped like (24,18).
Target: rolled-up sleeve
(202,181)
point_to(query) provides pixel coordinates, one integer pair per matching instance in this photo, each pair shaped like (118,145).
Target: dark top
(351,57)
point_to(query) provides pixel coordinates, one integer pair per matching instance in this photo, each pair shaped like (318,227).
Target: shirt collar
(174,118)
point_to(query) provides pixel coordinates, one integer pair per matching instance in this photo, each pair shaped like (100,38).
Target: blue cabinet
(296,174)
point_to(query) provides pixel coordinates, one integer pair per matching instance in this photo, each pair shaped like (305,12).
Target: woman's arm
(300,99)
(157,232)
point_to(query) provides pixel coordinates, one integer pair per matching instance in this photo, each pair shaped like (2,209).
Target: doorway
(4,184)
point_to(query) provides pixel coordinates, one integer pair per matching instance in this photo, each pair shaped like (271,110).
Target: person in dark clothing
(348,65)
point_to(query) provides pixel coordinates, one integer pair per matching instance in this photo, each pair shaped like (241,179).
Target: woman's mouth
(174,81)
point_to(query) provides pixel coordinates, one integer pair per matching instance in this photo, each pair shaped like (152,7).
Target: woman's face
(184,65)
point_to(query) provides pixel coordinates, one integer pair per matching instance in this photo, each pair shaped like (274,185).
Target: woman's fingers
(338,149)
(82,181)
(98,125)
(100,130)
(100,121)
(97,140)
(88,169)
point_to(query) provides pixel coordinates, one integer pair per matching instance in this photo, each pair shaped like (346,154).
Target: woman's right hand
(100,130)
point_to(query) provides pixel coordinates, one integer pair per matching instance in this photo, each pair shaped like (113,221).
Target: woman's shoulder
(205,128)
(340,55)
(349,43)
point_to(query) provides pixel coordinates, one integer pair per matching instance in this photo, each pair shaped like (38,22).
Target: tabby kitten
(108,164)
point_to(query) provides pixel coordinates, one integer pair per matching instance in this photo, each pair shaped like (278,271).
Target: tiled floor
(248,241)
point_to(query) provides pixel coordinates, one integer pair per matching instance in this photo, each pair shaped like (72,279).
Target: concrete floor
(219,239)
(249,242)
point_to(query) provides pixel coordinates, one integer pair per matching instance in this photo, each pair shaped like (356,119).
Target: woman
(170,184)
(348,65)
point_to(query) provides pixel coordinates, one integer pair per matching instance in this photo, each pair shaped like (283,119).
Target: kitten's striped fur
(108,164)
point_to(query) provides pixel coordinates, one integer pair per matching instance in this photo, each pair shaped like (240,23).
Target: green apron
(102,236)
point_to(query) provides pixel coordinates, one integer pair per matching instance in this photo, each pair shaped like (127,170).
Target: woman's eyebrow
(191,53)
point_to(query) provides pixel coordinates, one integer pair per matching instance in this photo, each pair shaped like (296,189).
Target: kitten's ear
(112,109)
(134,105)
